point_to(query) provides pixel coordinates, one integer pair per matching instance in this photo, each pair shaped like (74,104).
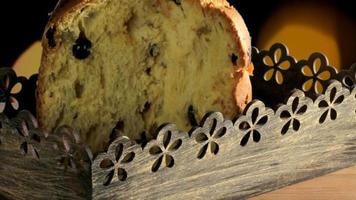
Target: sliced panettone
(135,64)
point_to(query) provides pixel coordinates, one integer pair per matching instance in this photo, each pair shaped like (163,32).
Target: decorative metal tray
(301,127)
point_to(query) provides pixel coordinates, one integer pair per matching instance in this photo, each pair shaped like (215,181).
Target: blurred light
(306,28)
(29,61)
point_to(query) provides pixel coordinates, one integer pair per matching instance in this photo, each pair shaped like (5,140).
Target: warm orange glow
(29,61)
(304,40)
(305,29)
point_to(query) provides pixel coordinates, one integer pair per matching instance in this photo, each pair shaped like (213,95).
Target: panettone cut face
(139,63)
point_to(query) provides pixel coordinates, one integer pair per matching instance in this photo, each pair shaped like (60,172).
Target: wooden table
(340,185)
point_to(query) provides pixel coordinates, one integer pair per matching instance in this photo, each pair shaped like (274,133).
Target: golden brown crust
(243,88)
(242,93)
(66,6)
(238,27)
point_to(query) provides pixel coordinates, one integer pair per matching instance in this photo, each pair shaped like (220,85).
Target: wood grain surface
(340,185)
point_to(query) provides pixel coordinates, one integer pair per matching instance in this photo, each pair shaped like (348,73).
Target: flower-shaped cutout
(333,97)
(28,129)
(348,77)
(208,135)
(278,61)
(293,111)
(74,154)
(118,157)
(10,86)
(317,72)
(256,116)
(164,146)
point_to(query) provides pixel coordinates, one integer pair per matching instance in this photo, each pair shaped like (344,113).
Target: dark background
(22,22)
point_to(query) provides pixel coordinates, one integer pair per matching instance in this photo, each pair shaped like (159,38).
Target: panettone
(135,64)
